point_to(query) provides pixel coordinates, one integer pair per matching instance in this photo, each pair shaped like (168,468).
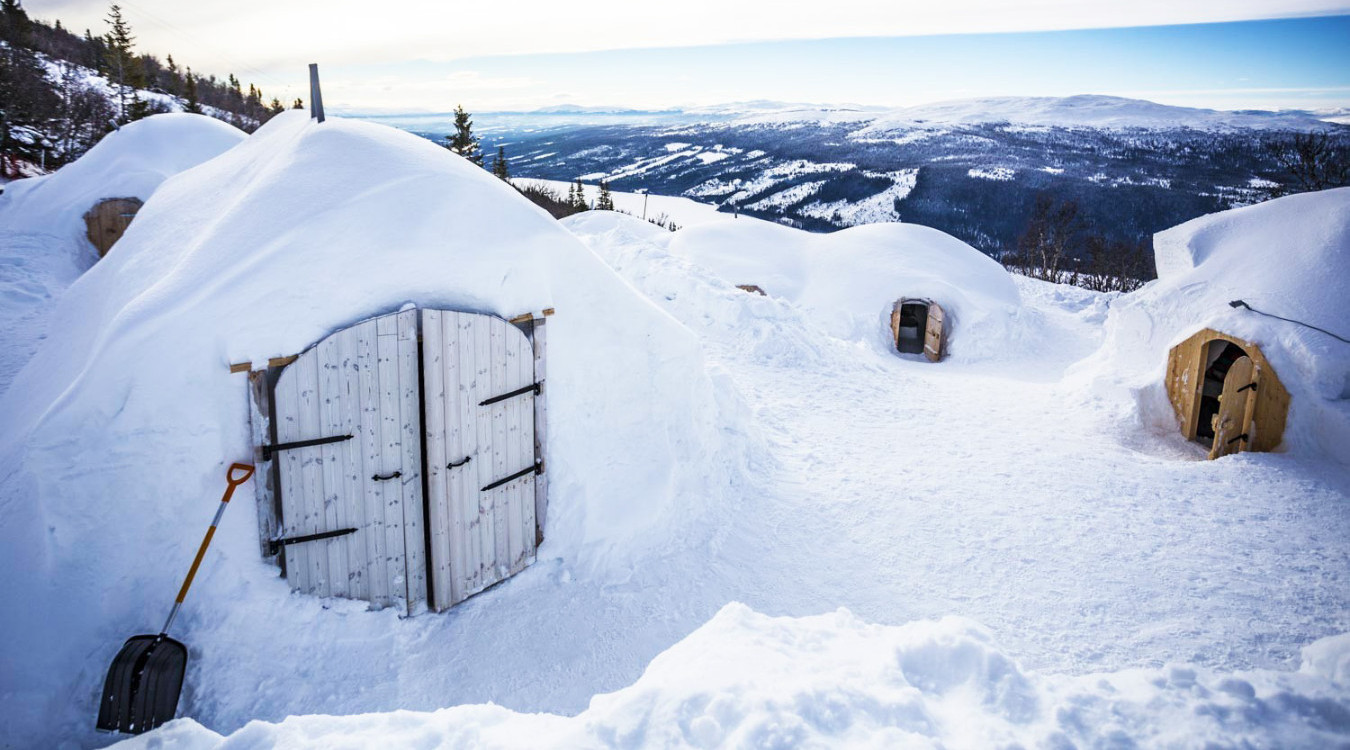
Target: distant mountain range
(1086,110)
(972,168)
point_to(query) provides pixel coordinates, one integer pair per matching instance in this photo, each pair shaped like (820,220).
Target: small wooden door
(108,221)
(1233,422)
(932,339)
(351,501)
(481,392)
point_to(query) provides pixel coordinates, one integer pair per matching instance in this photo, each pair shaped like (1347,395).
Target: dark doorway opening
(1219,358)
(913,323)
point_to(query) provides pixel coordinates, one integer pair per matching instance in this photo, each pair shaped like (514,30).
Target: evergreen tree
(190,93)
(606,201)
(15,26)
(276,107)
(299,103)
(120,61)
(26,98)
(579,198)
(95,57)
(499,165)
(463,141)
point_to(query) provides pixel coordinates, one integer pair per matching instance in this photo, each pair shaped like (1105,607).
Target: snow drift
(128,163)
(117,432)
(849,280)
(748,680)
(1288,257)
(44,244)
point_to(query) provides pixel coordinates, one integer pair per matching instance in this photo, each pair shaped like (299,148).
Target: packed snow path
(896,488)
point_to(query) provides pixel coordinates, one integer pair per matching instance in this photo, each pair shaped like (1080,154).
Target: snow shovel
(141,691)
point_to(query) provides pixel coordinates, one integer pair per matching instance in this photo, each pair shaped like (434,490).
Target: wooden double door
(408,461)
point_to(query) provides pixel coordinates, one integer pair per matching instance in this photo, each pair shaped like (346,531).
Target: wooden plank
(471,477)
(410,439)
(282,361)
(935,333)
(264,487)
(895,322)
(516,455)
(523,521)
(487,470)
(498,499)
(456,451)
(353,462)
(290,485)
(1229,426)
(438,475)
(241,367)
(311,467)
(391,459)
(368,377)
(539,342)
(334,488)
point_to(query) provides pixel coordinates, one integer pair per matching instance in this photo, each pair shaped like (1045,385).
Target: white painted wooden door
(362,494)
(480,392)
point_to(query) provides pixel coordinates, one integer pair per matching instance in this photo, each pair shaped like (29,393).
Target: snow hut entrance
(1225,394)
(919,327)
(108,220)
(406,458)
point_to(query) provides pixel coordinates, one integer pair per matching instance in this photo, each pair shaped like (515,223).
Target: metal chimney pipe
(315,95)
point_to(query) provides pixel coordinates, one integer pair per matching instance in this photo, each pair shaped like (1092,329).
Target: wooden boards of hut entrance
(108,220)
(1252,402)
(407,458)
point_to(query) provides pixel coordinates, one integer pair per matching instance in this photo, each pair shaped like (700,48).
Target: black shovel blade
(143,684)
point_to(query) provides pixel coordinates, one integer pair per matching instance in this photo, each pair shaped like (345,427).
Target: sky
(417,56)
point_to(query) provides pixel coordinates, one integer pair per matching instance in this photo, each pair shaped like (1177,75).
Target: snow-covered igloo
(1169,343)
(95,196)
(862,283)
(118,431)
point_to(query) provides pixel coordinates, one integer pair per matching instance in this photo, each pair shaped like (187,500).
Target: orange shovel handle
(237,475)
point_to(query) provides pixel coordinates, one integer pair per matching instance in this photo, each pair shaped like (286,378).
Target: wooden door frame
(262,383)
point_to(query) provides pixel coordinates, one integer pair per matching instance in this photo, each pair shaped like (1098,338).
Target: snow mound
(128,163)
(748,680)
(1287,257)
(118,432)
(849,280)
(768,328)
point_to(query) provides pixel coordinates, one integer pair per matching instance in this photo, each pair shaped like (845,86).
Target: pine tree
(606,201)
(120,61)
(299,103)
(190,93)
(579,197)
(499,165)
(25,96)
(463,141)
(173,80)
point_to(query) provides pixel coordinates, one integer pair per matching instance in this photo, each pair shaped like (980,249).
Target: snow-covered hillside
(1089,111)
(1025,556)
(44,245)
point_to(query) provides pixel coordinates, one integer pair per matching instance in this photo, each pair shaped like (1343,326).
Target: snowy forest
(54,107)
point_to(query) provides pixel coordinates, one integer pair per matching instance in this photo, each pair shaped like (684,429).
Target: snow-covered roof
(850,279)
(117,433)
(130,162)
(1287,257)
